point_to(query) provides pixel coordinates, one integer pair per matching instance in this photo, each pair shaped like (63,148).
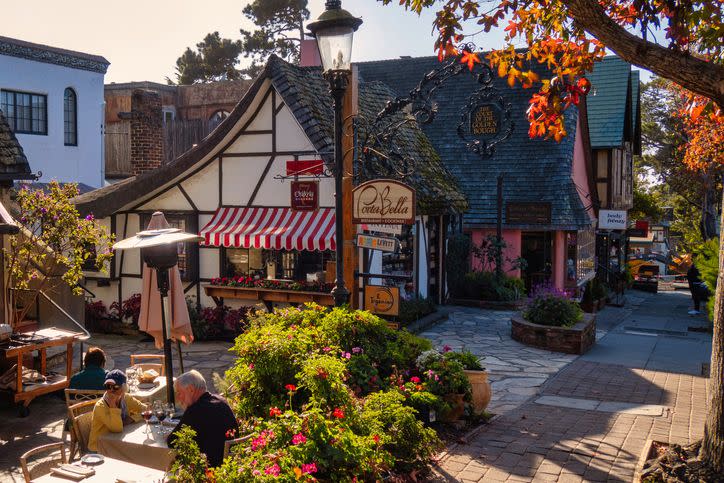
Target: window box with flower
(270,291)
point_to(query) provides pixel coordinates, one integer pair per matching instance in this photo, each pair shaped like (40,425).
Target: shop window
(244,262)
(277,264)
(586,255)
(188,253)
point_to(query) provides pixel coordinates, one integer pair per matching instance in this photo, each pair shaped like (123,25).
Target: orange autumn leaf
(470,59)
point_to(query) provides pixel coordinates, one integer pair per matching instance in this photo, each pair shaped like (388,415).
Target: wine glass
(160,410)
(147,413)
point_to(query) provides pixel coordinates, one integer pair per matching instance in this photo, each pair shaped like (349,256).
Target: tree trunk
(712,450)
(699,76)
(708,210)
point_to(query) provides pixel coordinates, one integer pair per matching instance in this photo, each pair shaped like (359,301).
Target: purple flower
(43,210)
(346,355)
(89,217)
(357,350)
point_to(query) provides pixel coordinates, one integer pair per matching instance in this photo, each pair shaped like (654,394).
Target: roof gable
(608,103)
(533,169)
(12,156)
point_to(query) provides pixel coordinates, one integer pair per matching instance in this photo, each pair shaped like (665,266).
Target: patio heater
(160,252)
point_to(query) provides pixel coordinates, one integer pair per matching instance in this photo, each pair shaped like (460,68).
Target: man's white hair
(192,378)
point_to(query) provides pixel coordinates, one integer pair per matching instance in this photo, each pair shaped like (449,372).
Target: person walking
(699,290)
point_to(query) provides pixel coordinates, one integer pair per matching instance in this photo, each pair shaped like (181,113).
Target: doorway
(537,249)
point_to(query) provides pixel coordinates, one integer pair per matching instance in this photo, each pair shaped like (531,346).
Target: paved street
(590,421)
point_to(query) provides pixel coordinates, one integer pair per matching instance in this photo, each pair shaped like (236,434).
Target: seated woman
(114,410)
(94,375)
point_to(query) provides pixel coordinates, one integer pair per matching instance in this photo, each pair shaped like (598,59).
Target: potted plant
(446,378)
(477,377)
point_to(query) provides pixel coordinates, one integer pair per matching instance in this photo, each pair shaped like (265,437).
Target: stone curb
(422,324)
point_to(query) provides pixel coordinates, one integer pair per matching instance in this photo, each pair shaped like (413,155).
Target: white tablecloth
(133,444)
(111,470)
(156,393)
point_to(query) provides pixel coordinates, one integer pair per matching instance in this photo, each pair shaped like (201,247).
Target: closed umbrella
(149,320)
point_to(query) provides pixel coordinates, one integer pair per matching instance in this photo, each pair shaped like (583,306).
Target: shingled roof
(306,94)
(13,163)
(534,170)
(612,104)
(53,55)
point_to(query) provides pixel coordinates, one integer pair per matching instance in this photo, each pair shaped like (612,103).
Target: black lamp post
(159,250)
(334,30)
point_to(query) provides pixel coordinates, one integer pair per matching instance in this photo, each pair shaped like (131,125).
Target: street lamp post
(334,31)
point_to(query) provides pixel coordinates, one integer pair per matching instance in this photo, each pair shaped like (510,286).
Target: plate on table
(92,459)
(145,386)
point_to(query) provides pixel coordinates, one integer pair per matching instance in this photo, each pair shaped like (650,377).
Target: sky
(143,38)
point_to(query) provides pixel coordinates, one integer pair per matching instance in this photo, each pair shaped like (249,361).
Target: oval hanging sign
(384,202)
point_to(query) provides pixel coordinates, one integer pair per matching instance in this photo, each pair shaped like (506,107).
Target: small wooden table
(112,470)
(133,444)
(40,340)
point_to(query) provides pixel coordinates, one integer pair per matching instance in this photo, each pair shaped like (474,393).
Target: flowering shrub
(554,307)
(128,309)
(249,282)
(218,322)
(327,400)
(443,374)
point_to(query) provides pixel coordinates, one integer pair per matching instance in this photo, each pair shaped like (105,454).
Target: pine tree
(215,59)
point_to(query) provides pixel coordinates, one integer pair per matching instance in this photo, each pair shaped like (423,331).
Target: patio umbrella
(149,320)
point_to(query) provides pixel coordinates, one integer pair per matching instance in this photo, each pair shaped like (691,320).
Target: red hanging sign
(305,195)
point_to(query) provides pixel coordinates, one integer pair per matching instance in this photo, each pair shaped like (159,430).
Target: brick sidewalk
(546,443)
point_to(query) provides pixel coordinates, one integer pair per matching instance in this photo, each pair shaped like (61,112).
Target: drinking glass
(159,410)
(147,413)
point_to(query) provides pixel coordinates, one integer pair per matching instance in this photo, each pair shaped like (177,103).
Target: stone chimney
(147,131)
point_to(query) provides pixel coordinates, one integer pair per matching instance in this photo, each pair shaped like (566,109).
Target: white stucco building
(53,101)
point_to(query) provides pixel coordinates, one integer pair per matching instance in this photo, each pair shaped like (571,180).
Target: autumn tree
(214,59)
(280,30)
(679,41)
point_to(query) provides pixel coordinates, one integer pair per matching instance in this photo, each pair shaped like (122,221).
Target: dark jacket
(211,417)
(92,377)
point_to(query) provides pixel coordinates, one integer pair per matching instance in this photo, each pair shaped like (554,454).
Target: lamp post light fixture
(334,30)
(159,250)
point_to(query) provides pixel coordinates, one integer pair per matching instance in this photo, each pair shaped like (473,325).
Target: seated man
(94,375)
(114,410)
(207,414)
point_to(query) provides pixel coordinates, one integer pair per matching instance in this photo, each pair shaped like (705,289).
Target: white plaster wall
(239,177)
(171,200)
(202,188)
(209,262)
(47,153)
(294,138)
(251,143)
(263,119)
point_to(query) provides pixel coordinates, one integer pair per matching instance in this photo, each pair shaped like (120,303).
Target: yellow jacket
(108,420)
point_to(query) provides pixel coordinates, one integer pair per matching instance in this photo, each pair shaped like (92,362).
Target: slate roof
(636,110)
(306,94)
(534,170)
(13,163)
(610,112)
(53,55)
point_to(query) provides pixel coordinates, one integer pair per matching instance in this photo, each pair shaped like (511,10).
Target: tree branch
(699,76)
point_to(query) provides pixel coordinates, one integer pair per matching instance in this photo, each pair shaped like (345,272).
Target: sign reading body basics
(612,219)
(382,300)
(377,243)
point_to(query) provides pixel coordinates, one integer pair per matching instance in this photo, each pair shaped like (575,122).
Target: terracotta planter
(457,408)
(481,390)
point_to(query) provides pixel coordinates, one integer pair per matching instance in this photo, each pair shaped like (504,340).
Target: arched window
(70,117)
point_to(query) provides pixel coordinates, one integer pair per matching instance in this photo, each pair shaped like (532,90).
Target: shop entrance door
(536,249)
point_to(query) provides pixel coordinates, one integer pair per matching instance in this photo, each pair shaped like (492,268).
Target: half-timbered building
(234,188)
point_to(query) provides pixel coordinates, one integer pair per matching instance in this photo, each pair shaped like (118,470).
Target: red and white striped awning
(271,228)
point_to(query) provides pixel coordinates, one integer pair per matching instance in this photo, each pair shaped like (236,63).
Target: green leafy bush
(486,286)
(467,359)
(549,306)
(190,464)
(414,309)
(707,261)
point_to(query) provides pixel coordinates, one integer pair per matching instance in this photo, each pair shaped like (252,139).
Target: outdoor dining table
(112,470)
(149,394)
(133,444)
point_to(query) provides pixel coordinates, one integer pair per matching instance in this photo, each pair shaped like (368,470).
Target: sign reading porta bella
(382,300)
(383,201)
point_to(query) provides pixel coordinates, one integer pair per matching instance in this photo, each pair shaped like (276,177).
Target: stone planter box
(488,304)
(571,340)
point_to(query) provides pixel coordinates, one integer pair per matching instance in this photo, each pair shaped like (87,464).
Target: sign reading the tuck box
(484,120)
(305,195)
(382,300)
(528,213)
(383,201)
(612,219)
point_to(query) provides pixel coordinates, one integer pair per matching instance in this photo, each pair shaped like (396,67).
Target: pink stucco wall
(559,259)
(511,237)
(580,171)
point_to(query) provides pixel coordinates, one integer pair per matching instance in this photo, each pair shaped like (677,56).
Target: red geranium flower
(290,387)
(275,411)
(338,413)
(415,379)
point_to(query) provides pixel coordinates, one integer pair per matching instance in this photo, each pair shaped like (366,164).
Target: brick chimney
(146,131)
(309,54)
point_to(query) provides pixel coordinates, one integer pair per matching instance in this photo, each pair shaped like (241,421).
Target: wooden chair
(44,466)
(75,396)
(81,417)
(139,360)
(228,444)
